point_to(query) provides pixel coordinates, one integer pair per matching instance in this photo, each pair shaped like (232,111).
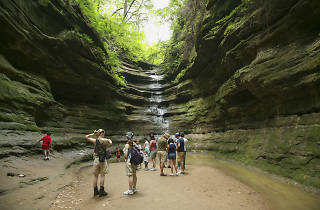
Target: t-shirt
(153,145)
(185,147)
(162,143)
(146,144)
(172,149)
(46,140)
(181,142)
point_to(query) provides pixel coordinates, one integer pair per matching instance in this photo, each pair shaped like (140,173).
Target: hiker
(171,150)
(46,145)
(146,158)
(118,154)
(130,150)
(162,153)
(140,149)
(185,140)
(146,143)
(180,150)
(100,164)
(153,152)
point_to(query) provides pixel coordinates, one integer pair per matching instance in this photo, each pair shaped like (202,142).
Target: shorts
(45,146)
(153,154)
(101,168)
(181,157)
(130,169)
(162,156)
(172,156)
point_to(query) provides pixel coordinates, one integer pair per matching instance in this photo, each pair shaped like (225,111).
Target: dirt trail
(201,188)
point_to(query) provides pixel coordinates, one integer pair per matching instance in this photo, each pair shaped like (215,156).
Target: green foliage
(186,16)
(121,37)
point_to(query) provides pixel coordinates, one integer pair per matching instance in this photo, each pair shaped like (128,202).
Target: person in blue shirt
(180,150)
(171,150)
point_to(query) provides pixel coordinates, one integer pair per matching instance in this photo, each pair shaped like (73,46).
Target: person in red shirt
(118,154)
(46,145)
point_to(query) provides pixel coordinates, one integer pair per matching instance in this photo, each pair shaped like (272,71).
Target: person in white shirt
(185,148)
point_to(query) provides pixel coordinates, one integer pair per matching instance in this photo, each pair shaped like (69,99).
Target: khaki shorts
(153,154)
(130,169)
(100,168)
(181,156)
(162,156)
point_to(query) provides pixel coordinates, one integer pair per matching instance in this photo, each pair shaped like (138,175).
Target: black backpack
(136,156)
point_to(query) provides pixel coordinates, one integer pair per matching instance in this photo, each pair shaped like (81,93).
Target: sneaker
(128,192)
(181,172)
(163,174)
(134,190)
(152,169)
(48,158)
(177,174)
(171,174)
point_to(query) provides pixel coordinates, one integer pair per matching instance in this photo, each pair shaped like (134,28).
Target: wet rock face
(53,77)
(257,67)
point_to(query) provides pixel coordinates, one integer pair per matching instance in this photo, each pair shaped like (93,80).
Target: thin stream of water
(154,109)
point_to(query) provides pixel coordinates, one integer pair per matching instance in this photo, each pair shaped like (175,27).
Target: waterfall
(154,110)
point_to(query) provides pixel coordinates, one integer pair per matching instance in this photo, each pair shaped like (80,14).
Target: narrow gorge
(242,80)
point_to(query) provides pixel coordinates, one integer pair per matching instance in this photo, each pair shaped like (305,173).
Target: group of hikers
(167,150)
(164,149)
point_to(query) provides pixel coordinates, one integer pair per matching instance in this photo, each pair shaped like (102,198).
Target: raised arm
(89,137)
(108,141)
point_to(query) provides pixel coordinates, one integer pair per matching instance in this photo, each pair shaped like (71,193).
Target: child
(46,145)
(146,158)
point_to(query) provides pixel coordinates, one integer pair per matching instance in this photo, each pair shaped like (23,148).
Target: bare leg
(154,162)
(175,166)
(134,180)
(95,180)
(102,177)
(161,167)
(130,182)
(171,165)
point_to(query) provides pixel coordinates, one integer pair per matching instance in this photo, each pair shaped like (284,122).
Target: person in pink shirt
(153,153)
(46,145)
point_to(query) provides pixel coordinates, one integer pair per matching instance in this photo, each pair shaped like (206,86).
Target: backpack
(136,156)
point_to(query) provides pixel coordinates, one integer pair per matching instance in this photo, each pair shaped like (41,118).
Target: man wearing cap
(162,153)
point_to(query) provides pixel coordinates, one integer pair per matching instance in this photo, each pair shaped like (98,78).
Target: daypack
(101,151)
(136,156)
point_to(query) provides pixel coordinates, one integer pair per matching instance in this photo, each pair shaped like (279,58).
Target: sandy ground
(42,182)
(208,184)
(202,187)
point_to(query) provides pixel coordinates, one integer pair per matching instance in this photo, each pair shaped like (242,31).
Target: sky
(155,32)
